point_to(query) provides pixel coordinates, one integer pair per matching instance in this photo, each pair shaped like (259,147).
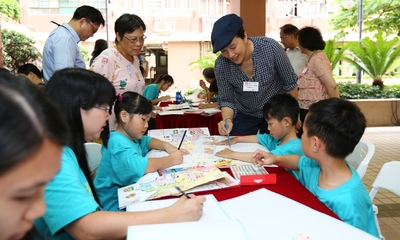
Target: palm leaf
(374,57)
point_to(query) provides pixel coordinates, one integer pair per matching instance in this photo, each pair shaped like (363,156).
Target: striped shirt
(272,70)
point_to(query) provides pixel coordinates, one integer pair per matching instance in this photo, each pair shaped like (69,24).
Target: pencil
(229,138)
(183,193)
(180,144)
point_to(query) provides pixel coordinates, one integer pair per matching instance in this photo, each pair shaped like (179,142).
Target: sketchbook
(161,186)
(176,106)
(226,182)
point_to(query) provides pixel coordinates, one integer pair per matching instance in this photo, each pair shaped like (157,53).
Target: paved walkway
(387,148)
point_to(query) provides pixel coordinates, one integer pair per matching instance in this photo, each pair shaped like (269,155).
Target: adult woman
(120,64)
(32,134)
(33,73)
(74,210)
(250,70)
(315,79)
(99,46)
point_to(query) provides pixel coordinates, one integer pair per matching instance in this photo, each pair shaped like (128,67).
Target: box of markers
(252,175)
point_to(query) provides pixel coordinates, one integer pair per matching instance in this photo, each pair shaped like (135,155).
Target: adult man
(61,49)
(250,70)
(288,36)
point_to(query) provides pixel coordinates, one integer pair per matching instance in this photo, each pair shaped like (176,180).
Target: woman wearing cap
(252,68)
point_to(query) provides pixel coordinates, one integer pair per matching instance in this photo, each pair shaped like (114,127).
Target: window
(302,8)
(213,7)
(44,6)
(63,6)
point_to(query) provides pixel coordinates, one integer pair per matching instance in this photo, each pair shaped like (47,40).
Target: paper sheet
(210,230)
(266,214)
(211,211)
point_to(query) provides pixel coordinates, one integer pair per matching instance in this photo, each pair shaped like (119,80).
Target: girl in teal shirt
(152,91)
(124,158)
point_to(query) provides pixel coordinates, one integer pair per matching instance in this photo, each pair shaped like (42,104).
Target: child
(211,95)
(124,158)
(332,129)
(32,134)
(209,75)
(281,113)
(73,207)
(152,91)
(33,73)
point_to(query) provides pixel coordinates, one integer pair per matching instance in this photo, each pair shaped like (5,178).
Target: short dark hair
(339,123)
(209,72)
(27,118)
(281,106)
(311,39)
(166,77)
(90,13)
(290,29)
(29,67)
(128,23)
(240,33)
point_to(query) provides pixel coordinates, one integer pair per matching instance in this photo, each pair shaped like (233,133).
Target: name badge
(250,86)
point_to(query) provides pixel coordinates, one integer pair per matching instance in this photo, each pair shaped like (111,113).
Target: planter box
(379,112)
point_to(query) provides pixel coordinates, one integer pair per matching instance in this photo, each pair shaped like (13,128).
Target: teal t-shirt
(350,201)
(68,197)
(151,91)
(293,147)
(123,162)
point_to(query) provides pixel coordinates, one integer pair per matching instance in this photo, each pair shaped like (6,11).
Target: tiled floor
(387,148)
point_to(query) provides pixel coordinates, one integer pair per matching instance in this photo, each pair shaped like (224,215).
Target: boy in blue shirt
(281,113)
(332,129)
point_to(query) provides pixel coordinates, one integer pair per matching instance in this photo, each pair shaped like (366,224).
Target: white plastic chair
(388,178)
(93,153)
(361,156)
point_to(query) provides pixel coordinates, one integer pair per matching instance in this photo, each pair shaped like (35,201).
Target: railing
(8,23)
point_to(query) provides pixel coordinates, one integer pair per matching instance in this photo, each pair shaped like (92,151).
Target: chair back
(388,178)
(93,153)
(361,156)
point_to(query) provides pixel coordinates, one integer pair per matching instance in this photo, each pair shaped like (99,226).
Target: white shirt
(297,59)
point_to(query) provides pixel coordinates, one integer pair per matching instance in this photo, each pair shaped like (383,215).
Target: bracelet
(227,119)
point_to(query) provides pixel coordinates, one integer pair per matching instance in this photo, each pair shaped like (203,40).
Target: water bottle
(178,97)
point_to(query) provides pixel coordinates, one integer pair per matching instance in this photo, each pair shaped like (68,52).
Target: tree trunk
(377,81)
(1,49)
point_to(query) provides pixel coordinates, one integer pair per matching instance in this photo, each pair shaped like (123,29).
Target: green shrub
(356,91)
(366,91)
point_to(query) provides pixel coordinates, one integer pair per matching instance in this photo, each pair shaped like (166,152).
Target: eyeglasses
(94,29)
(136,39)
(107,109)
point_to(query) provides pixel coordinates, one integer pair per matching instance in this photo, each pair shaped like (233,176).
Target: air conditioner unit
(163,27)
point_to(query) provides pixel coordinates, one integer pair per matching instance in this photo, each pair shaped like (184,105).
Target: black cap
(224,30)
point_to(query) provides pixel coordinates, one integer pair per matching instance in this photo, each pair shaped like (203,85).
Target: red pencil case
(259,179)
